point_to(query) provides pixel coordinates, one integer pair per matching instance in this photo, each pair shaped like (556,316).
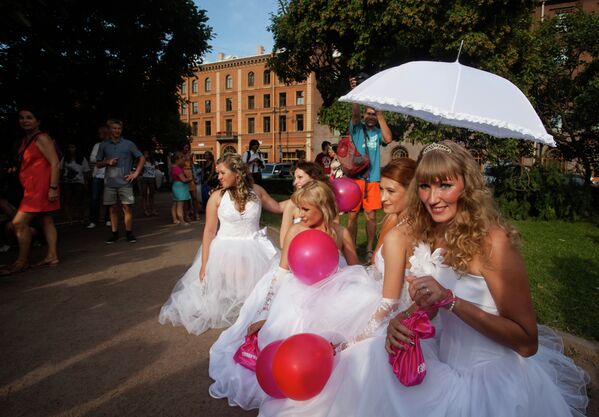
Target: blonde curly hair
(318,194)
(466,234)
(242,192)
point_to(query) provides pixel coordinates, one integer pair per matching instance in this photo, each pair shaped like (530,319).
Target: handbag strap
(29,142)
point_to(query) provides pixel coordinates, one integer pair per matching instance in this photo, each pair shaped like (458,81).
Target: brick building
(229,102)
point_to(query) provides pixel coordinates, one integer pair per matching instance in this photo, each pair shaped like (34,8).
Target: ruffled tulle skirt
(234,267)
(337,308)
(363,384)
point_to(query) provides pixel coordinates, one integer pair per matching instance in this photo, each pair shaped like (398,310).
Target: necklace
(402,221)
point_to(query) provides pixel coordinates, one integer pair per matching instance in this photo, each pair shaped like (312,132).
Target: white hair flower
(423,262)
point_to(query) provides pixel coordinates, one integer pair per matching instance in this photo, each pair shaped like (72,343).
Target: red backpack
(353,163)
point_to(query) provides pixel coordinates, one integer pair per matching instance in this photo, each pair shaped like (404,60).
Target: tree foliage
(336,38)
(83,61)
(561,72)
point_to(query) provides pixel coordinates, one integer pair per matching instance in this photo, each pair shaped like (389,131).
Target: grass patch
(562,260)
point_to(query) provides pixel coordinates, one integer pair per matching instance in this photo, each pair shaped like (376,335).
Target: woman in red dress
(39,175)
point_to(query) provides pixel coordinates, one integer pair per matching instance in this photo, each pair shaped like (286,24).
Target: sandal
(369,254)
(14,269)
(46,262)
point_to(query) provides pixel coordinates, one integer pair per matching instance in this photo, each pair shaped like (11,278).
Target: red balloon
(347,193)
(312,256)
(302,365)
(264,370)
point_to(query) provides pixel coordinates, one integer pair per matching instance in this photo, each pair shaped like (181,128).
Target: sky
(238,26)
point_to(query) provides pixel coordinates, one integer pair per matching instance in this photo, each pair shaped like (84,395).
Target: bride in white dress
(281,305)
(491,358)
(230,261)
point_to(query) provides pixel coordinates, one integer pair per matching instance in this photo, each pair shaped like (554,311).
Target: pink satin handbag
(408,365)
(248,352)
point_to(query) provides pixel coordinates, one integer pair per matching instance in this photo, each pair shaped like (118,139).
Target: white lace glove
(386,309)
(275,283)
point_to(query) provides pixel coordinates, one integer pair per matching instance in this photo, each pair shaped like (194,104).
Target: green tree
(335,38)
(83,61)
(561,72)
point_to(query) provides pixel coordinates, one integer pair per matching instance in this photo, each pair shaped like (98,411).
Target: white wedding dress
(240,254)
(336,308)
(467,375)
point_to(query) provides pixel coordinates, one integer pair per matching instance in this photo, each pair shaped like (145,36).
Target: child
(180,189)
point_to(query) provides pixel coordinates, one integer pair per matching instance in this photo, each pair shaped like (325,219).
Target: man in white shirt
(253,159)
(97,183)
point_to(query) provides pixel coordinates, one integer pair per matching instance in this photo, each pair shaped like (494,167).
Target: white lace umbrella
(456,95)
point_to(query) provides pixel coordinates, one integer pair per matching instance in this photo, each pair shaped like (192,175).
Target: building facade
(232,101)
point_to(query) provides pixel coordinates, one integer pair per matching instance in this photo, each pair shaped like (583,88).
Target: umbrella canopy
(456,95)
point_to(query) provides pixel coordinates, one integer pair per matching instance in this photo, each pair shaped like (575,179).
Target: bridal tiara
(436,147)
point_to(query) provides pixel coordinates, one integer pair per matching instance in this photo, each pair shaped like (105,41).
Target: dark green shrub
(540,192)
(278,185)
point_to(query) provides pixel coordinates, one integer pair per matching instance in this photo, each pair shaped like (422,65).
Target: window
(299,122)
(251,125)
(228,104)
(282,99)
(250,102)
(229,126)
(299,98)
(266,100)
(194,107)
(266,78)
(266,124)
(194,128)
(194,87)
(228,82)
(183,109)
(282,123)
(250,79)
(208,127)
(207,84)
(207,107)
(184,88)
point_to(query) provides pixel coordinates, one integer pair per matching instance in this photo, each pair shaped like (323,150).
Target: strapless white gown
(467,375)
(335,308)
(240,255)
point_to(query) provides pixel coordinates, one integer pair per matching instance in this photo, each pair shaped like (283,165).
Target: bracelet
(452,305)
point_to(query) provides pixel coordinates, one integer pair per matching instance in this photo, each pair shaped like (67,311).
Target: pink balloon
(302,365)
(313,256)
(347,193)
(264,370)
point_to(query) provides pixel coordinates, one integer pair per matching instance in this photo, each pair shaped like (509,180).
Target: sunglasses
(371,113)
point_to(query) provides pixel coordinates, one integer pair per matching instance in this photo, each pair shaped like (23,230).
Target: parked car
(282,170)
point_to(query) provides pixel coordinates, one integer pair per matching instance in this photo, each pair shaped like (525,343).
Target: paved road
(82,339)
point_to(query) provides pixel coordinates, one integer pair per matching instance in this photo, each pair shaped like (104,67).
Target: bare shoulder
(398,237)
(215,197)
(43,138)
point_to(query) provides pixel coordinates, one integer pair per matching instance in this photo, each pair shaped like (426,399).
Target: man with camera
(253,159)
(367,135)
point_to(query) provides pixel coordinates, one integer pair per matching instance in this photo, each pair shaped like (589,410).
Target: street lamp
(280,110)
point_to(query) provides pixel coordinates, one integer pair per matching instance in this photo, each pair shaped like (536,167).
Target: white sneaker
(91,226)
(108,223)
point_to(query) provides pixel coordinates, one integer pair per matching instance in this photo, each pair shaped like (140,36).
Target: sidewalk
(83,338)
